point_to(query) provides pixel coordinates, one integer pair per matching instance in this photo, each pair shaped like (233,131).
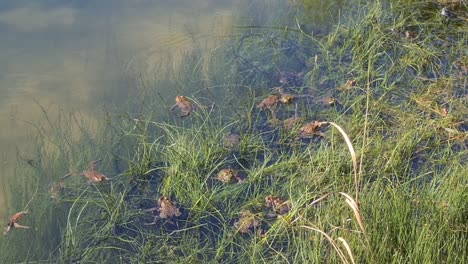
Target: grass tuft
(395,79)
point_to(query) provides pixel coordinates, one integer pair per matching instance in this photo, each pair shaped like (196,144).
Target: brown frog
(247,221)
(185,106)
(55,189)
(290,78)
(232,140)
(311,129)
(270,103)
(286,98)
(348,85)
(291,122)
(91,174)
(411,35)
(277,204)
(329,100)
(13,222)
(166,209)
(228,175)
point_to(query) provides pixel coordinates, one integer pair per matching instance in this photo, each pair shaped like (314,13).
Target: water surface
(88,55)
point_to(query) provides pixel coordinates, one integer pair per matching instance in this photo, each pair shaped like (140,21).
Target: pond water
(89,81)
(87,56)
(82,56)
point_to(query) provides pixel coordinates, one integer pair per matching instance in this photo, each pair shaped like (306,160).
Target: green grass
(402,200)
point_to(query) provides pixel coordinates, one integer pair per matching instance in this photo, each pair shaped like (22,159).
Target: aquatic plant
(390,187)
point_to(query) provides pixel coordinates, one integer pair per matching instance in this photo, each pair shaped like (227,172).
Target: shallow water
(91,56)
(84,56)
(105,71)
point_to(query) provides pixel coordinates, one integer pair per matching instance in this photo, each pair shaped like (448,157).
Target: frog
(310,129)
(232,140)
(166,209)
(287,98)
(229,175)
(290,78)
(348,85)
(278,205)
(329,100)
(291,122)
(185,106)
(270,103)
(284,97)
(13,222)
(55,189)
(247,221)
(411,35)
(91,174)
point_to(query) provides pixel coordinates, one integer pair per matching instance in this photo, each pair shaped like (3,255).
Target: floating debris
(13,222)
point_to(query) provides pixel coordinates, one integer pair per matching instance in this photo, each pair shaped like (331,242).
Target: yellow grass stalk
(355,208)
(348,249)
(332,242)
(353,156)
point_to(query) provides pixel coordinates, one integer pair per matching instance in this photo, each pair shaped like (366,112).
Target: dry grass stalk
(332,242)
(353,157)
(319,199)
(348,249)
(355,208)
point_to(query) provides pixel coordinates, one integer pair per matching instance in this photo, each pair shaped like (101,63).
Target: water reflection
(85,54)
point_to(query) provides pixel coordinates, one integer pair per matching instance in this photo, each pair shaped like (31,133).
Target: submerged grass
(400,198)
